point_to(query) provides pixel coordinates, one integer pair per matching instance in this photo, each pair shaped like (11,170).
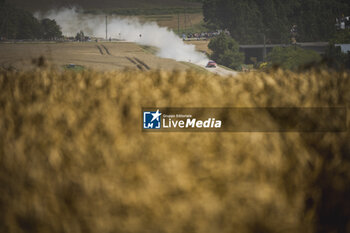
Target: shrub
(291,57)
(336,59)
(341,37)
(226,51)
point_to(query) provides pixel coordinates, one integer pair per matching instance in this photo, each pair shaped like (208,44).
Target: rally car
(211,64)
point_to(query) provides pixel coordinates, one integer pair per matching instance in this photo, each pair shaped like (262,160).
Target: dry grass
(36,5)
(201,46)
(73,157)
(20,55)
(186,21)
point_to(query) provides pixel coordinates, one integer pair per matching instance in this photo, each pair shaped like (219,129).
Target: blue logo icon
(151,120)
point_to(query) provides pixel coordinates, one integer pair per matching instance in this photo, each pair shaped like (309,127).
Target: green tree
(80,36)
(28,27)
(50,29)
(316,18)
(240,17)
(275,25)
(8,22)
(336,59)
(226,51)
(248,20)
(341,37)
(20,24)
(292,57)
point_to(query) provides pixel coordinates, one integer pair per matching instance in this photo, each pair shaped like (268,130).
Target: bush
(226,51)
(292,58)
(341,37)
(336,59)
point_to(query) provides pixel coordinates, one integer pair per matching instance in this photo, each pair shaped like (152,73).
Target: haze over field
(129,29)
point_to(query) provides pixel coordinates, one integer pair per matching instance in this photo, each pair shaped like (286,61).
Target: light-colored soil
(222,71)
(121,55)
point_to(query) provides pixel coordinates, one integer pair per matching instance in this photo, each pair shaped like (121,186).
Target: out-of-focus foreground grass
(73,157)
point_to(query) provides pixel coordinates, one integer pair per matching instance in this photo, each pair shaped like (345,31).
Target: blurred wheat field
(73,157)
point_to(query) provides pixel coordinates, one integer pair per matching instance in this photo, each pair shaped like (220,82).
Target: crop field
(106,56)
(201,45)
(73,157)
(184,21)
(187,23)
(107,5)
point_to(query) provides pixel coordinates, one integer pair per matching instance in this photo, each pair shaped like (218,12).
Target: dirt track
(222,72)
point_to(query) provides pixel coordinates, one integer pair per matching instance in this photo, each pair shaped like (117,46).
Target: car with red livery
(211,64)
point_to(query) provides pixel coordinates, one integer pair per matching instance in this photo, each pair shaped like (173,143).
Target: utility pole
(185,21)
(106,29)
(178,23)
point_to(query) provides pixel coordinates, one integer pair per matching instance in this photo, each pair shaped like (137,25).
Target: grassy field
(186,22)
(201,46)
(185,15)
(146,11)
(105,5)
(73,157)
(179,23)
(98,56)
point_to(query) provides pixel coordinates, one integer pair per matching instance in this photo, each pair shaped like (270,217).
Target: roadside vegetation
(73,157)
(336,59)
(226,51)
(341,37)
(291,57)
(296,58)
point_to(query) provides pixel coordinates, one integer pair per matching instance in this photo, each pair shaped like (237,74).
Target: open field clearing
(104,56)
(107,56)
(106,5)
(73,157)
(186,21)
(201,45)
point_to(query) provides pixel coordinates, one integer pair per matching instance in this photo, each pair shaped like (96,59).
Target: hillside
(35,5)
(98,56)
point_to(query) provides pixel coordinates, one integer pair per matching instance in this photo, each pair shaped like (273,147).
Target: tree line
(249,21)
(20,24)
